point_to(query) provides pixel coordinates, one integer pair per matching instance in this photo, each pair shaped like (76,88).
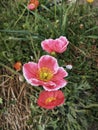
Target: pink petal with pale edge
(47,45)
(57,81)
(61,73)
(64,39)
(37,82)
(31,6)
(48,62)
(57,85)
(30,70)
(59,47)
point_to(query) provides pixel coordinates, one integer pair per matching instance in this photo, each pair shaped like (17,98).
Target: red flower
(33,4)
(50,100)
(17,66)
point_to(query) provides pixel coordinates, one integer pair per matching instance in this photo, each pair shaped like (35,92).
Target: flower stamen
(50,99)
(45,74)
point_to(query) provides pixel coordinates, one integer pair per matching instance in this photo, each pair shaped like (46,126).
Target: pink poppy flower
(46,73)
(58,45)
(50,100)
(33,4)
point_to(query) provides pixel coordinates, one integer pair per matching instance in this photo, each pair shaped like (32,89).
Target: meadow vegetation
(21,34)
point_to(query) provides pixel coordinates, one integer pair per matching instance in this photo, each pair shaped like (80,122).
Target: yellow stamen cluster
(49,100)
(45,74)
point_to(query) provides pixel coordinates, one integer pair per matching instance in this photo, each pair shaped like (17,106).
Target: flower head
(58,45)
(50,100)
(33,4)
(90,1)
(46,73)
(17,66)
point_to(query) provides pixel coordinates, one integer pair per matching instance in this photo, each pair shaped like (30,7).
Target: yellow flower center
(50,99)
(45,74)
(90,1)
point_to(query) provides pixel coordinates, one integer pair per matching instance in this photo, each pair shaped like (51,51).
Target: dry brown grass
(15,110)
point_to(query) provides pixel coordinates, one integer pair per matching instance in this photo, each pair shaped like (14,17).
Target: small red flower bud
(17,66)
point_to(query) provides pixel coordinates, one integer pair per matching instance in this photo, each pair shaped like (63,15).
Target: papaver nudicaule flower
(33,4)
(58,45)
(50,100)
(46,73)
(90,1)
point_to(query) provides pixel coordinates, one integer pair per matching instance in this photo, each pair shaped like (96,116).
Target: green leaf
(92,36)
(64,23)
(39,127)
(91,29)
(70,118)
(1,101)
(91,105)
